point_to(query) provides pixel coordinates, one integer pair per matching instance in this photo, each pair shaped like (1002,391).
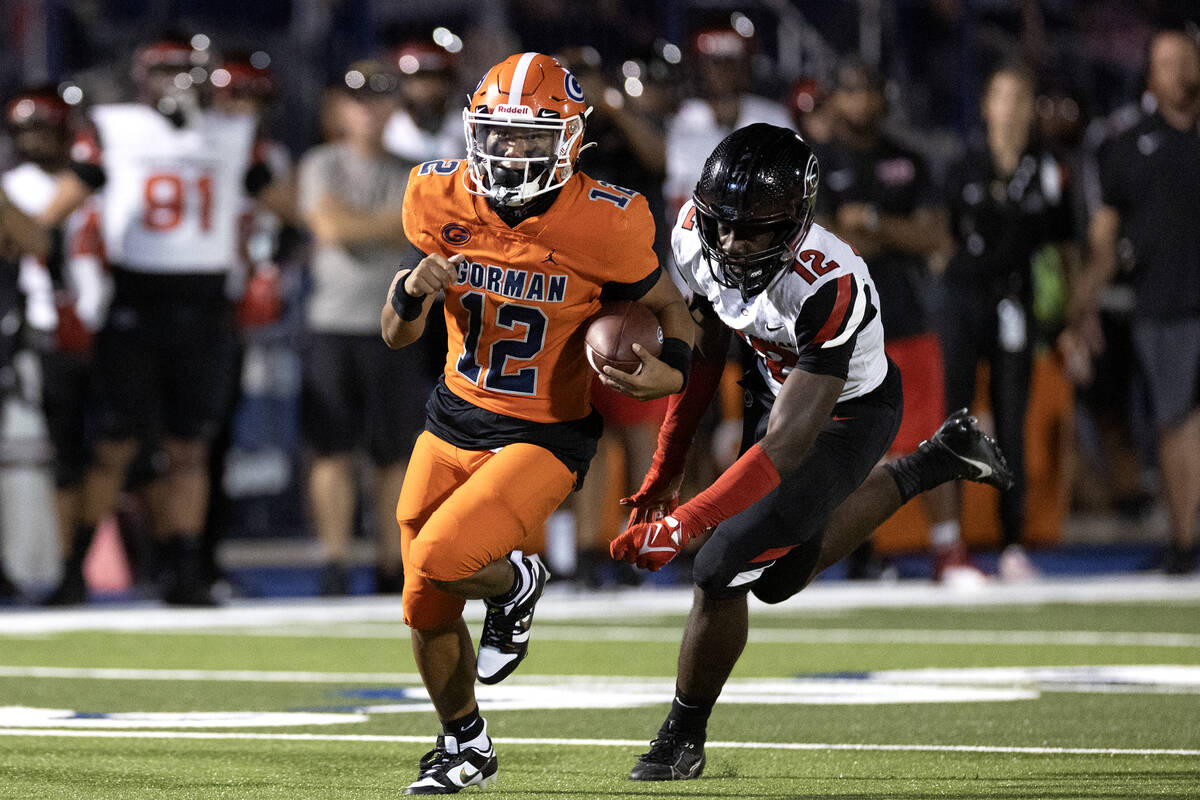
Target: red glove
(647,510)
(650,542)
(650,545)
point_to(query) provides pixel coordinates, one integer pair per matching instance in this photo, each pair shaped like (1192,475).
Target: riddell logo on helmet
(520,111)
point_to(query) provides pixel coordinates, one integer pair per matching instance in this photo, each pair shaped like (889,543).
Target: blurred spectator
(427,125)
(721,69)
(625,141)
(174,175)
(65,303)
(25,237)
(245,84)
(357,392)
(625,148)
(878,196)
(612,27)
(1007,199)
(1150,181)
(812,115)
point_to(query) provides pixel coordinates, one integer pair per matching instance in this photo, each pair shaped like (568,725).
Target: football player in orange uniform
(523,248)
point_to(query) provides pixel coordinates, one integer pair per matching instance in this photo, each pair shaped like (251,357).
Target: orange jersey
(516,310)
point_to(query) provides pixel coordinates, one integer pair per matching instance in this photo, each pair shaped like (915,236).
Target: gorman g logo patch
(456,234)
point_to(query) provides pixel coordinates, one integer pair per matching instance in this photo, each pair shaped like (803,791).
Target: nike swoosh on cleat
(466,774)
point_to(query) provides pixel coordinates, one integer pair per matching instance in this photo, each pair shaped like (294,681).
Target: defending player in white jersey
(66,295)
(174,177)
(824,404)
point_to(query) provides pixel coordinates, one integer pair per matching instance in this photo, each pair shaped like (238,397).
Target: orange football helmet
(524,129)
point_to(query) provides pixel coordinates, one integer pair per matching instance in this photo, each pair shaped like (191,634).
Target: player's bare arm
(410,295)
(1103,231)
(279,197)
(69,194)
(656,378)
(805,403)
(21,233)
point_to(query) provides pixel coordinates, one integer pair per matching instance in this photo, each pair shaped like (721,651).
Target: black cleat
(448,770)
(71,590)
(1179,560)
(504,641)
(333,580)
(189,592)
(672,757)
(8,590)
(975,454)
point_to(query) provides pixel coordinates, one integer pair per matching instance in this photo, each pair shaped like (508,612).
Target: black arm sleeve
(613,291)
(829,323)
(258,177)
(92,175)
(56,256)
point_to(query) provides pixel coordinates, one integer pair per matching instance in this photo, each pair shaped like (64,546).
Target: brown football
(612,332)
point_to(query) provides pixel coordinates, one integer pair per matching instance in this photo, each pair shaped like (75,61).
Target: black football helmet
(760,178)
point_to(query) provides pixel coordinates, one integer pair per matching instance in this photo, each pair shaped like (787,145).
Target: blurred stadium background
(1083,683)
(1092,504)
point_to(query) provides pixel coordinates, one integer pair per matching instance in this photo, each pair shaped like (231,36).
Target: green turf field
(1013,695)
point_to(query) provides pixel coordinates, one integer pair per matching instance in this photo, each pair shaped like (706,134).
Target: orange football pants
(460,510)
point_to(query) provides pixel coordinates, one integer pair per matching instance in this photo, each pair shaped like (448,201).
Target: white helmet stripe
(518,81)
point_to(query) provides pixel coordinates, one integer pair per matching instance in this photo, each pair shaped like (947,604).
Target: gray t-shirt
(349,282)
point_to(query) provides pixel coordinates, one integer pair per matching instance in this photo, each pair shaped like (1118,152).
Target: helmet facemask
(750,273)
(514,159)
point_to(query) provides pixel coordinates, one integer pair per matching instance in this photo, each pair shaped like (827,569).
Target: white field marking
(256,676)
(597,691)
(617,694)
(671,635)
(647,602)
(1134,677)
(384,739)
(27,717)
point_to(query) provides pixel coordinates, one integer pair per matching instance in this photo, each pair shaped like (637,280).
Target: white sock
(945,534)
(481,742)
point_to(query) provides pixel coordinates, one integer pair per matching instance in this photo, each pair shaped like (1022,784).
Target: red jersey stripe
(838,315)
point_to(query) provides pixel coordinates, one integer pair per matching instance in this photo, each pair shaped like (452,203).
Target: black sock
(688,715)
(465,728)
(921,471)
(185,558)
(80,543)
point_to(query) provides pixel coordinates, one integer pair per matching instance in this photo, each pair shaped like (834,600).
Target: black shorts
(360,393)
(1168,353)
(772,547)
(69,404)
(167,352)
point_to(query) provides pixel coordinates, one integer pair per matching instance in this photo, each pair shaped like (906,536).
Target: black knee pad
(771,593)
(712,576)
(788,575)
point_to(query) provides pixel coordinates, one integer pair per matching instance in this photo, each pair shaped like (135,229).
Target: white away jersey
(826,305)
(172,196)
(86,286)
